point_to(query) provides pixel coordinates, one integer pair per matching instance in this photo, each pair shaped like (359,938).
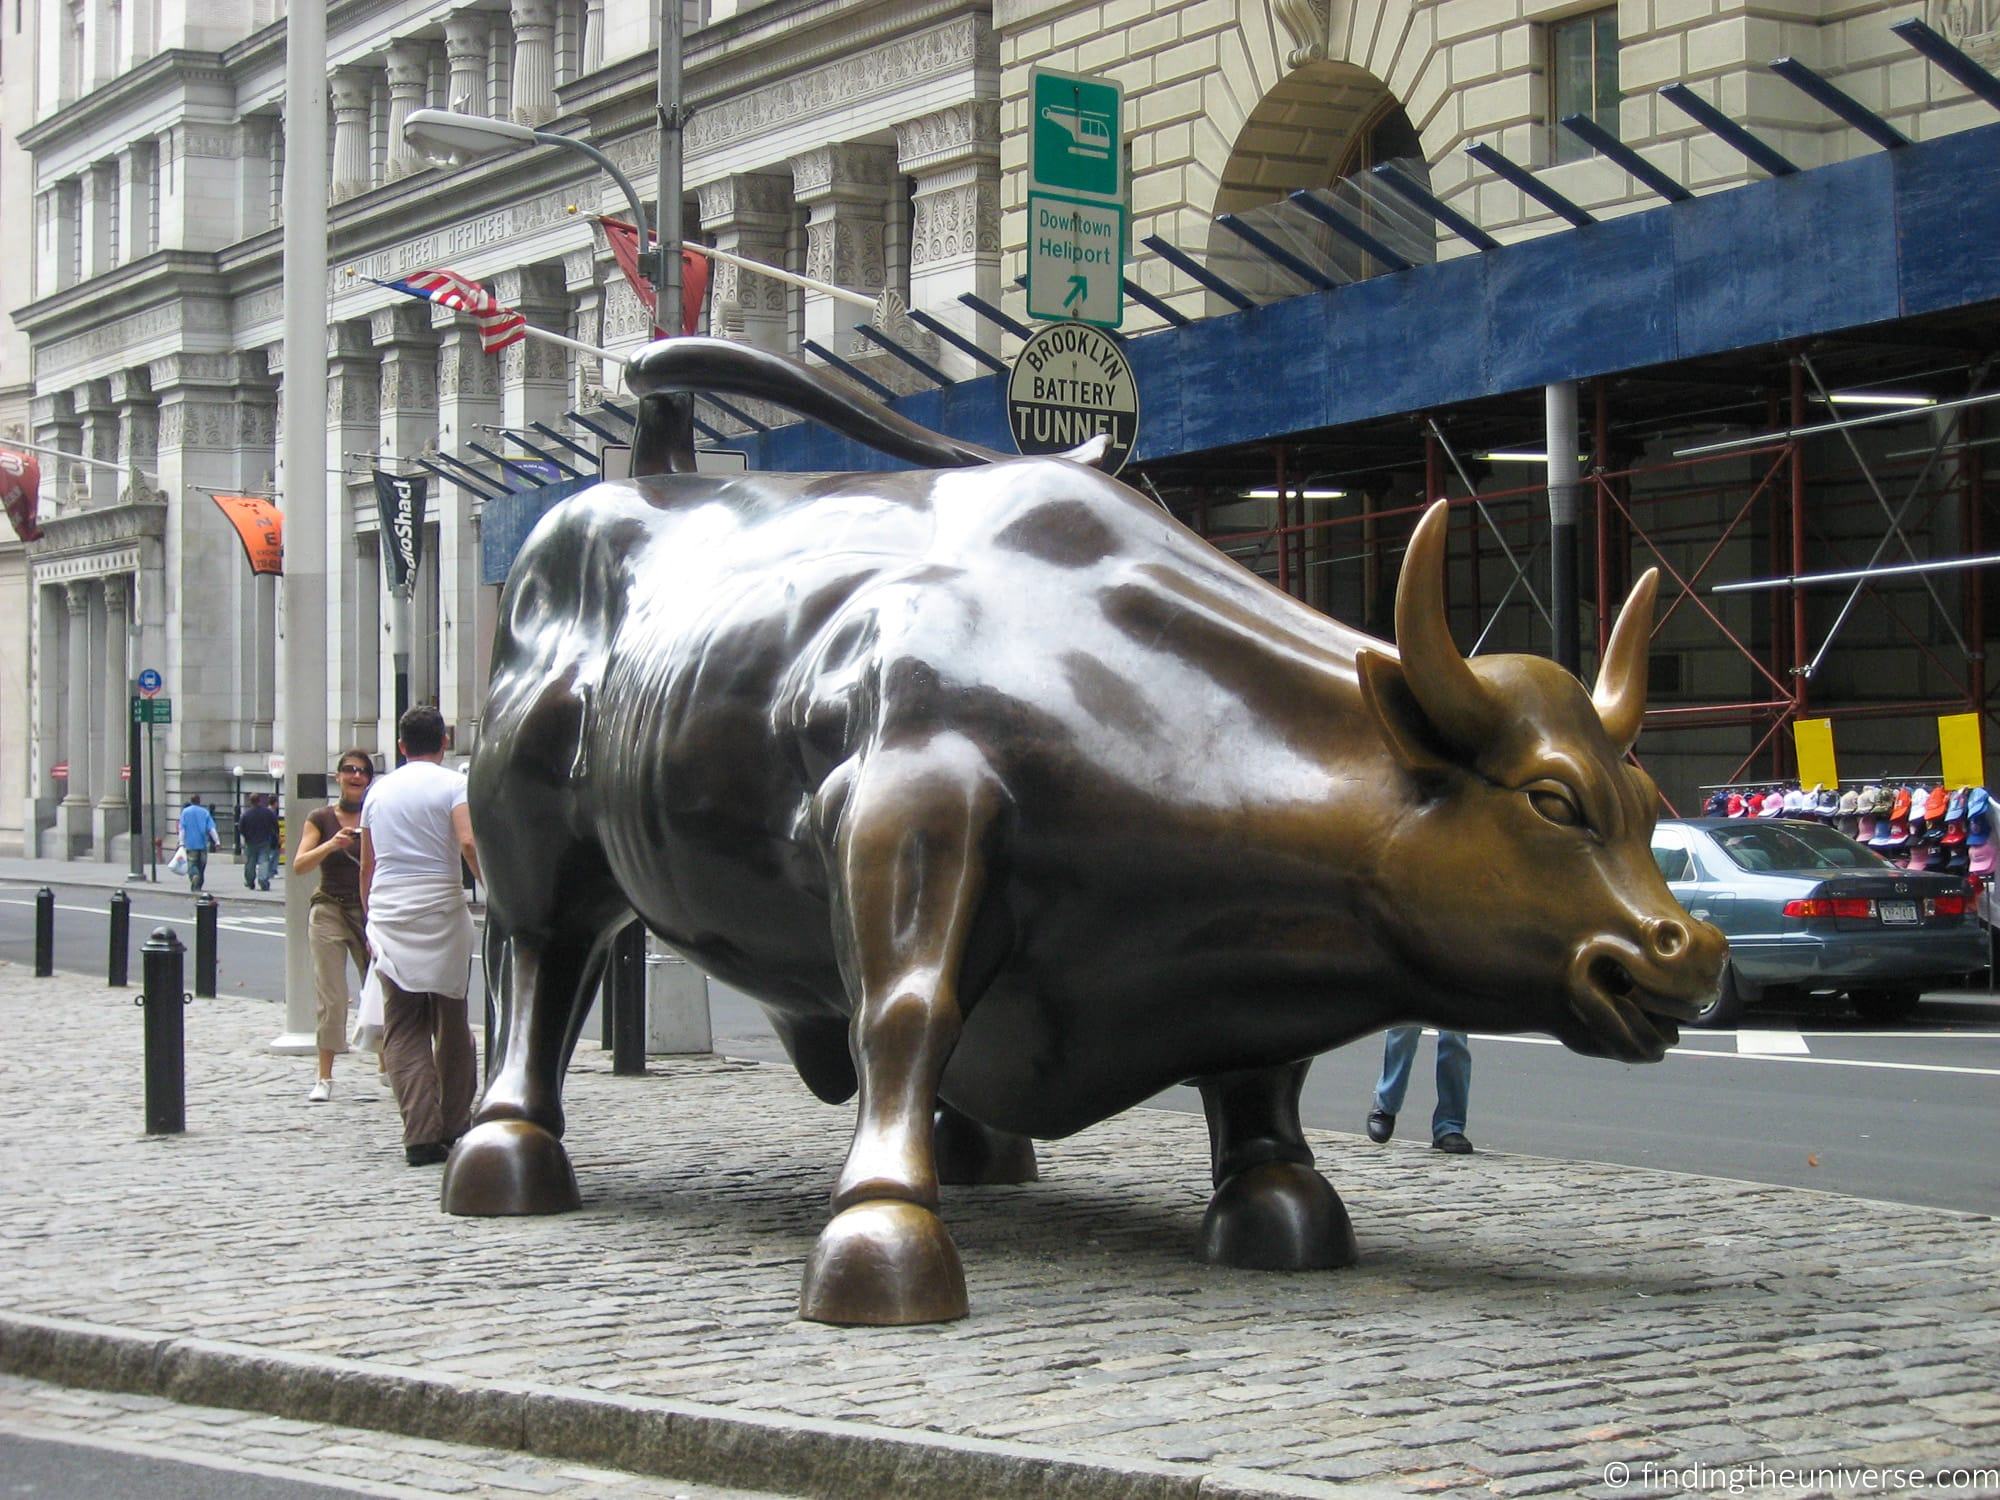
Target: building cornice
(143,283)
(101,106)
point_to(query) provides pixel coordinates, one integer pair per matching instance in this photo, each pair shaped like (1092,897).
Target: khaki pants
(334,934)
(427,1051)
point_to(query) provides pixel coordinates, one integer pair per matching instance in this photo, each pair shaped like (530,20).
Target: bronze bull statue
(1015,802)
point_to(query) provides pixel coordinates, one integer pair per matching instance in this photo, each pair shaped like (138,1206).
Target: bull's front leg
(909,859)
(1271,1211)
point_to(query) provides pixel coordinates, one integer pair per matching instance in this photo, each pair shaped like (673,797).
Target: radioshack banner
(402,502)
(21,492)
(261,528)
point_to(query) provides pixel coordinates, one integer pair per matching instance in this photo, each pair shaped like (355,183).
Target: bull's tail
(663,371)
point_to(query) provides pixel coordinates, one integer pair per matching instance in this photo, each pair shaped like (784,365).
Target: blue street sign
(149,683)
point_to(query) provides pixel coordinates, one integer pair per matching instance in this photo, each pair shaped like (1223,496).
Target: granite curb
(637,1434)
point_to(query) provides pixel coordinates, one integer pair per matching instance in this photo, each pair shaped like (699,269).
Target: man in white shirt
(414,830)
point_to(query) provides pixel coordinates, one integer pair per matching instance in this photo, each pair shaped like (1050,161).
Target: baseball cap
(1795,801)
(1977,829)
(1735,807)
(1899,806)
(1773,804)
(1864,827)
(1716,806)
(1939,800)
(1848,804)
(1983,857)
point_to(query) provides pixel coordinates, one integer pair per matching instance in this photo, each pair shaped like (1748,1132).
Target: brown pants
(335,935)
(427,1051)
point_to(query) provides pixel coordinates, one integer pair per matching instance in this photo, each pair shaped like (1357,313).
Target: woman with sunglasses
(331,844)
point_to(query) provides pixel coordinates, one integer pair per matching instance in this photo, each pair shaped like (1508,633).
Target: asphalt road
(49,1468)
(1808,1098)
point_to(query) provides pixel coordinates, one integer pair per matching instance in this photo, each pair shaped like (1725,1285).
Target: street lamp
(449,139)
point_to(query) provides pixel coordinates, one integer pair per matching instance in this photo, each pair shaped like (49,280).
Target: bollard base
(295,1044)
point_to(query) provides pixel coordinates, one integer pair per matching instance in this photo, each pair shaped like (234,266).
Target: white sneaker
(322,1090)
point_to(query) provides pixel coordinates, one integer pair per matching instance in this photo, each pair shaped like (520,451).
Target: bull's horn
(1620,694)
(1456,702)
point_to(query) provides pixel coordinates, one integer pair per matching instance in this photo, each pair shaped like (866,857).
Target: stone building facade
(876,144)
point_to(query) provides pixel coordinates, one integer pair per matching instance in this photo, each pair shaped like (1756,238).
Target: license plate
(1897,911)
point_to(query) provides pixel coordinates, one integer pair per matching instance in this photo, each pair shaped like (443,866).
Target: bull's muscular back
(1156,715)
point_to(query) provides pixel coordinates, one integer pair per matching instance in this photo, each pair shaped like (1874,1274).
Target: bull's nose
(1666,939)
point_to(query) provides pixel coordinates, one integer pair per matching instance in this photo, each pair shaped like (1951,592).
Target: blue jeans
(260,863)
(1454,1077)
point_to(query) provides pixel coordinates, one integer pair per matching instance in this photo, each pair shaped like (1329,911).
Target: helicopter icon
(1089,132)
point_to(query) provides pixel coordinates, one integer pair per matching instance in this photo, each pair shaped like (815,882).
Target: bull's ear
(1387,699)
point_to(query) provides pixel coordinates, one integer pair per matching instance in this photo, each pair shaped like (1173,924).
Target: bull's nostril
(1668,938)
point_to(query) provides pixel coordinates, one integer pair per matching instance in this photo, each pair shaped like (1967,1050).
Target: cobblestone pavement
(372,1463)
(1515,1325)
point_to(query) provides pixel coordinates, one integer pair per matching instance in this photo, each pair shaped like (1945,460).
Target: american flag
(498,326)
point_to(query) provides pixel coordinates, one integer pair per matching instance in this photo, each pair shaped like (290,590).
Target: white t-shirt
(408,818)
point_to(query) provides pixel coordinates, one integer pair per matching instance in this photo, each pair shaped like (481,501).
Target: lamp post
(449,139)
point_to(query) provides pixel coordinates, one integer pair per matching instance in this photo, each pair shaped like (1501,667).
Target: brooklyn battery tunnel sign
(1070,383)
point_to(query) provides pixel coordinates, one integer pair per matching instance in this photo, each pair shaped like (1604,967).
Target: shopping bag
(179,863)
(367,1034)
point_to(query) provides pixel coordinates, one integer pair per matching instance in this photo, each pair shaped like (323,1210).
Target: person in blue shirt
(198,836)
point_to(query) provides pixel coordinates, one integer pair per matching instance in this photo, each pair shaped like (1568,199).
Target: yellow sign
(1814,738)
(1958,746)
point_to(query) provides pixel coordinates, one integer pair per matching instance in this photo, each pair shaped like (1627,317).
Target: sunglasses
(368,771)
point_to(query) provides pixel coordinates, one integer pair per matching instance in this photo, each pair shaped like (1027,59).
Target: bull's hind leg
(909,870)
(970,1153)
(512,1160)
(1271,1211)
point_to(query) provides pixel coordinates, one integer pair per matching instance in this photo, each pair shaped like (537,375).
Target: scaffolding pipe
(1900,414)
(1853,575)
(1559,409)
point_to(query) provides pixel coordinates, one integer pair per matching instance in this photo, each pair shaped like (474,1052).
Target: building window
(1583,78)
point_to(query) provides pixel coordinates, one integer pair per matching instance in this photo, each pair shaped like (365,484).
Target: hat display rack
(1913,822)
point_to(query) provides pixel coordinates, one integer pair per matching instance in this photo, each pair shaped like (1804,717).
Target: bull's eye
(1556,806)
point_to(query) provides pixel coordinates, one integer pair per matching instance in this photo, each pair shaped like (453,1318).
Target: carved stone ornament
(1306,22)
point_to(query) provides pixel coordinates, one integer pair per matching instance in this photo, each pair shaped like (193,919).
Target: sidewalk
(225,877)
(1515,1325)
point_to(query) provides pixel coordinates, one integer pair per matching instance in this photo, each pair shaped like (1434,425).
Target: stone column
(73,816)
(100,211)
(583,282)
(111,817)
(409,424)
(353,399)
(447,603)
(954,156)
(351,93)
(136,166)
(846,187)
(38,813)
(57,425)
(534,61)
(466,38)
(409,73)
(593,36)
(100,440)
(138,435)
(749,214)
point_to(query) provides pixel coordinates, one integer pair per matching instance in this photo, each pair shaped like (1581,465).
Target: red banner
(20,491)
(624,241)
(261,528)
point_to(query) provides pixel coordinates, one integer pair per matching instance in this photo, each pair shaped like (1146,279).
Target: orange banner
(261,527)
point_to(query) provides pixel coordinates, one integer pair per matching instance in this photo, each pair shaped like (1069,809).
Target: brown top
(340,874)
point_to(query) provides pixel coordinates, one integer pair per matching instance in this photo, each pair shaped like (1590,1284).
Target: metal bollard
(45,933)
(117,961)
(166,1067)
(205,908)
(627,993)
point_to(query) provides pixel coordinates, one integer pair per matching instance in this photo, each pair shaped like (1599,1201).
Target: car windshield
(1794,846)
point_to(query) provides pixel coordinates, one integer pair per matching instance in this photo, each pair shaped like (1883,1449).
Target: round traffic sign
(149,683)
(1070,382)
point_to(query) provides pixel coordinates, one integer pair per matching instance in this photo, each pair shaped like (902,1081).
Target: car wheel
(1726,1009)
(1885,1005)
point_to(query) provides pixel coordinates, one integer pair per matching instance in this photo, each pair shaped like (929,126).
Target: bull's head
(1522,886)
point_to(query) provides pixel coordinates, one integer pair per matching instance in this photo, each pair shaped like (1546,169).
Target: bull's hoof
(507,1167)
(969,1153)
(884,1263)
(1277,1216)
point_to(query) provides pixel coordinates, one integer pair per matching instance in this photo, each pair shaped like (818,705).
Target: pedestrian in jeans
(198,836)
(1454,1086)
(258,828)
(331,844)
(415,828)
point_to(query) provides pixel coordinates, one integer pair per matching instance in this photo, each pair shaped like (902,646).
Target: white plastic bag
(367,1036)
(179,863)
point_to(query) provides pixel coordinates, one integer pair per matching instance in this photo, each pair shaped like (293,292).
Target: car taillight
(1831,906)
(1947,906)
